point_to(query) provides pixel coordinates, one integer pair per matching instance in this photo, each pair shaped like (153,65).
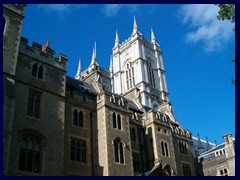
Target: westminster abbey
(99,123)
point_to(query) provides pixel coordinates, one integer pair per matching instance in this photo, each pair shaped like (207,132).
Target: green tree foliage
(227,12)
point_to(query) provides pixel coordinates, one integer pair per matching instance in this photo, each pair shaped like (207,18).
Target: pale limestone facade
(124,128)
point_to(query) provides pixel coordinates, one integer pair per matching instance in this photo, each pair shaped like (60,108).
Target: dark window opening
(33,109)
(78,150)
(30,154)
(118,151)
(114,120)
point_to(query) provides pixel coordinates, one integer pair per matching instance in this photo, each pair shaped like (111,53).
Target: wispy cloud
(205,26)
(111,10)
(61,8)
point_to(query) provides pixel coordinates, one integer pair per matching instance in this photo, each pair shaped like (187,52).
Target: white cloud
(111,10)
(206,27)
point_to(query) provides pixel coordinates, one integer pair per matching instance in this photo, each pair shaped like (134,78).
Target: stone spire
(94,62)
(79,71)
(94,54)
(208,145)
(153,39)
(135,26)
(116,39)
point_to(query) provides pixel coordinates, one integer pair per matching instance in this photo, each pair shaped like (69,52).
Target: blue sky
(197,49)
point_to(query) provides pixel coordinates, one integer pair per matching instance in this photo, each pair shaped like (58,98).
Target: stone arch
(125,62)
(168,170)
(119,139)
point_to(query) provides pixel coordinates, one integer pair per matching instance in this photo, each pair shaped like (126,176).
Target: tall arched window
(30,153)
(226,172)
(130,76)
(163,151)
(34,104)
(221,172)
(75,117)
(40,72)
(118,151)
(114,120)
(34,70)
(151,74)
(180,147)
(30,104)
(80,120)
(119,122)
(166,149)
(37,71)
(185,147)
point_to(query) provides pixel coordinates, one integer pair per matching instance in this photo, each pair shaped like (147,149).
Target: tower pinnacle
(94,56)
(116,39)
(79,71)
(135,26)
(94,62)
(153,39)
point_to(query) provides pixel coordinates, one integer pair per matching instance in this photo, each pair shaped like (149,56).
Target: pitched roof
(78,84)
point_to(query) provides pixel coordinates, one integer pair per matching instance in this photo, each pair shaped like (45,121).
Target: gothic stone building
(111,123)
(220,160)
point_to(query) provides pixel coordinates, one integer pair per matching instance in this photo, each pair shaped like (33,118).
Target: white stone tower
(137,68)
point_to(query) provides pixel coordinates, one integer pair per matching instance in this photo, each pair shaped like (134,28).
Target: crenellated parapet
(47,56)
(176,128)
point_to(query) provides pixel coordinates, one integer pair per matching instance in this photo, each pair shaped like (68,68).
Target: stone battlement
(16,8)
(48,56)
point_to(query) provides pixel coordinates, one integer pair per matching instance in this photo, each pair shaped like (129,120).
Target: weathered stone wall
(86,133)
(50,124)
(13,18)
(13,15)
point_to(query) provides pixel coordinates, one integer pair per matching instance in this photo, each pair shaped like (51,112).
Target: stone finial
(208,145)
